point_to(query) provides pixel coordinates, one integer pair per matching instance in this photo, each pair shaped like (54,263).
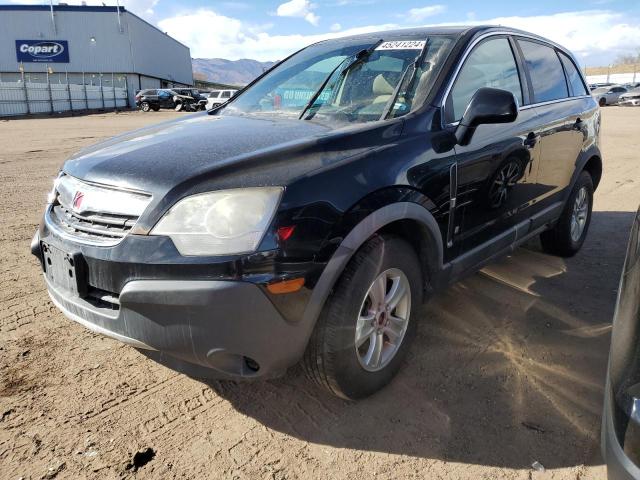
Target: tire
(602,102)
(155,109)
(145,106)
(178,107)
(331,358)
(561,240)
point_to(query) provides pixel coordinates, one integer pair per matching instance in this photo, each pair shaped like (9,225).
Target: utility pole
(26,90)
(53,18)
(49,86)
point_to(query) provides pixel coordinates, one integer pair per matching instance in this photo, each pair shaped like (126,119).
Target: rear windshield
(335,81)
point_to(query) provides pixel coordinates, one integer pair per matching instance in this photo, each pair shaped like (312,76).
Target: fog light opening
(251,364)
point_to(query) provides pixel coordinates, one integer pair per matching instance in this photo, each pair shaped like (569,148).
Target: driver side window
(490,64)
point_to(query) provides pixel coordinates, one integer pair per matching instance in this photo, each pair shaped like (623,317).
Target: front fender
(358,235)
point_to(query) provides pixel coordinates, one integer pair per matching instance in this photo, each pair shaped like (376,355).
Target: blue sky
(597,31)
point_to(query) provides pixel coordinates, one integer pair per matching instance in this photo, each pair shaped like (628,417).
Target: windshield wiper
(415,64)
(361,56)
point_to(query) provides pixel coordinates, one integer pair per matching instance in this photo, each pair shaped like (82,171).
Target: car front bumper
(202,318)
(228,326)
(634,102)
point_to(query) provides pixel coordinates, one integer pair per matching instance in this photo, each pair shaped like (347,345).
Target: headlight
(220,223)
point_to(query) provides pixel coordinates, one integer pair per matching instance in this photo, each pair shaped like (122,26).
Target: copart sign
(44,51)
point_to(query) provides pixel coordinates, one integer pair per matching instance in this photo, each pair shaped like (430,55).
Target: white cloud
(299,8)
(595,36)
(232,39)
(336,27)
(415,15)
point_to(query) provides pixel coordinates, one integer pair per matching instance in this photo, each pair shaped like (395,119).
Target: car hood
(160,157)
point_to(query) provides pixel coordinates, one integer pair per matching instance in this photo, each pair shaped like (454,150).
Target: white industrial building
(88,45)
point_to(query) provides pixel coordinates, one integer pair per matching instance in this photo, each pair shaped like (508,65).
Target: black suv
(155,99)
(309,217)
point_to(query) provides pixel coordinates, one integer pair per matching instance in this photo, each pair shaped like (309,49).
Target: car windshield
(348,80)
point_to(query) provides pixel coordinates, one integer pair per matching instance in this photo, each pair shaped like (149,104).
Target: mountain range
(231,72)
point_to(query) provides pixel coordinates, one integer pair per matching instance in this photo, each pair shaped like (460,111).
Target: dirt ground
(507,368)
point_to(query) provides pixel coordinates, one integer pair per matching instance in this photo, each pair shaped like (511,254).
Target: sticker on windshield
(402,45)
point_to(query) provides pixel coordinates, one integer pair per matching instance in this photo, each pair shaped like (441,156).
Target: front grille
(95,225)
(92,213)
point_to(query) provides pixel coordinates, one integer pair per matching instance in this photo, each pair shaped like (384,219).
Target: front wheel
(368,322)
(145,106)
(566,238)
(178,107)
(602,102)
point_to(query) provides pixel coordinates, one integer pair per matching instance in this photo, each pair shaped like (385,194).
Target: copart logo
(42,49)
(48,51)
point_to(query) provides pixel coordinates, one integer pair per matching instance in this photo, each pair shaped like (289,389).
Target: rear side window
(577,87)
(214,94)
(226,94)
(490,64)
(545,70)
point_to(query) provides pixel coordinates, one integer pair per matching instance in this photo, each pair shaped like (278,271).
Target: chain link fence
(25,98)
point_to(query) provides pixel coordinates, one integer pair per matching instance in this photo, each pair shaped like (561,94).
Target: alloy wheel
(383,320)
(579,214)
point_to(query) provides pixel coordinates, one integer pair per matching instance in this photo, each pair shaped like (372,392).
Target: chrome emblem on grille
(77,200)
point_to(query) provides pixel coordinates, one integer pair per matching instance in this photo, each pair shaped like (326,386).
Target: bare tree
(628,59)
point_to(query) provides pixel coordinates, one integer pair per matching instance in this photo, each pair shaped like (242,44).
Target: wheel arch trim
(583,159)
(371,224)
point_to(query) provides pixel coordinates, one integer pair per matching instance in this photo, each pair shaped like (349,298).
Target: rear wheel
(145,107)
(155,108)
(566,238)
(368,322)
(602,102)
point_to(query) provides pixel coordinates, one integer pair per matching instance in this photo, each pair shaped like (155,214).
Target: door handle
(531,140)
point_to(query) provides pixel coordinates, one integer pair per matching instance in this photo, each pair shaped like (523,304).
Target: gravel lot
(507,368)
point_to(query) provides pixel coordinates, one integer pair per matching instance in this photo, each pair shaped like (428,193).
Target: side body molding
(359,235)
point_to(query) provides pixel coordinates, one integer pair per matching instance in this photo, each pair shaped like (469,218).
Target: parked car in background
(216,97)
(188,99)
(608,95)
(313,230)
(630,98)
(155,99)
(593,86)
(632,85)
(621,413)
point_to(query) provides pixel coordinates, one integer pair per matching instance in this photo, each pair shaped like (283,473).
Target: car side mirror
(488,105)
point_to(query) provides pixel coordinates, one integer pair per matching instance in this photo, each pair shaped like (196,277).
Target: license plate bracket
(65,270)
